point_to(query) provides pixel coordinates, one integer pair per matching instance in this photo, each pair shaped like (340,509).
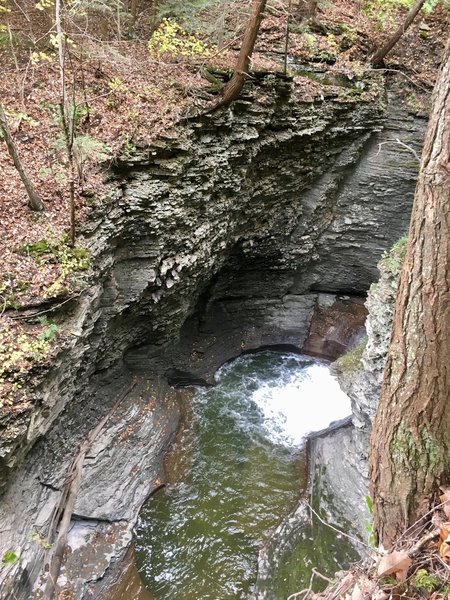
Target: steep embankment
(226,237)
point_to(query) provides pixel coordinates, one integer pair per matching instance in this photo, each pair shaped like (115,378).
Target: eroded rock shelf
(225,238)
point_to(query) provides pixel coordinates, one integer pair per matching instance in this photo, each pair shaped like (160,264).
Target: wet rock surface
(220,240)
(336,325)
(361,380)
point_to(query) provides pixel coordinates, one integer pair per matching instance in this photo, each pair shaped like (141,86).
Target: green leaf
(9,558)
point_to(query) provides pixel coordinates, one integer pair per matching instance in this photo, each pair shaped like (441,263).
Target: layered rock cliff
(224,238)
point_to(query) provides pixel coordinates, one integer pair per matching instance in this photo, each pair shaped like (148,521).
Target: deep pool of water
(199,539)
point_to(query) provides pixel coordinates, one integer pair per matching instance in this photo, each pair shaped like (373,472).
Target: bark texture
(411,434)
(381,53)
(33,197)
(236,83)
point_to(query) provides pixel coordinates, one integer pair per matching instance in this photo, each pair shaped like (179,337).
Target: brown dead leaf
(444,541)
(395,563)
(445,498)
(357,593)
(444,551)
(444,532)
(364,588)
(380,595)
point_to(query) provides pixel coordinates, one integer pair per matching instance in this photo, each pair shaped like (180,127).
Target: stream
(238,472)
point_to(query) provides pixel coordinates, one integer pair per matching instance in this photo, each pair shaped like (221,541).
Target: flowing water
(200,538)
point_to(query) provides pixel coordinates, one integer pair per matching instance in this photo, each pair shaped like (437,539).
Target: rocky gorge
(247,228)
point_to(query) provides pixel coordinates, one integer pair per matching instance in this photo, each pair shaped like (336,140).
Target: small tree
(34,200)
(378,57)
(236,83)
(67,118)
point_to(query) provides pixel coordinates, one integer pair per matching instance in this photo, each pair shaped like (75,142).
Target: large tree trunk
(33,197)
(410,445)
(236,83)
(381,53)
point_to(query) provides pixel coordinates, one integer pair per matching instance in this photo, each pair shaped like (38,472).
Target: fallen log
(62,514)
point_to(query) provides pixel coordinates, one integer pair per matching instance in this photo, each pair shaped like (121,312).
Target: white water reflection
(201,538)
(299,403)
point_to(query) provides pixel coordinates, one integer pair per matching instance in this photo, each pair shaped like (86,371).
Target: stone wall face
(226,235)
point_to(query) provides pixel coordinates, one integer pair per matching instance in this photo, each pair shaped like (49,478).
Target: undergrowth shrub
(383,11)
(392,260)
(170,39)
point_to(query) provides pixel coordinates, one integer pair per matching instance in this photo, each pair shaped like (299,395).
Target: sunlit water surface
(200,539)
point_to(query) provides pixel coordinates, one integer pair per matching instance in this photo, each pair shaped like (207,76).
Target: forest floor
(416,567)
(122,96)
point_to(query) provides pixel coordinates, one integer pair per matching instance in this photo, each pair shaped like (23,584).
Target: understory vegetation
(90,84)
(351,361)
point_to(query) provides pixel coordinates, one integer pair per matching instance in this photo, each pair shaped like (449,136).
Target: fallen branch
(428,537)
(62,514)
(52,308)
(397,141)
(410,79)
(350,537)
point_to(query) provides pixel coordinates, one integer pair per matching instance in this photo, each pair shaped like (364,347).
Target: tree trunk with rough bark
(410,444)
(33,197)
(236,83)
(381,53)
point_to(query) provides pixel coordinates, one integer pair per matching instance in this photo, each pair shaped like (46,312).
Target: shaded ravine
(295,207)
(201,537)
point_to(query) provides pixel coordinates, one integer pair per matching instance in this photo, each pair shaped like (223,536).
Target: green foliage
(39,57)
(117,85)
(186,13)
(351,362)
(103,7)
(326,51)
(21,116)
(57,171)
(74,111)
(15,117)
(69,260)
(424,581)
(413,102)
(19,353)
(129,148)
(171,40)
(5,39)
(368,523)
(84,147)
(51,330)
(392,261)
(44,4)
(9,558)
(369,503)
(368,528)
(41,540)
(348,36)
(383,11)
(4,9)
